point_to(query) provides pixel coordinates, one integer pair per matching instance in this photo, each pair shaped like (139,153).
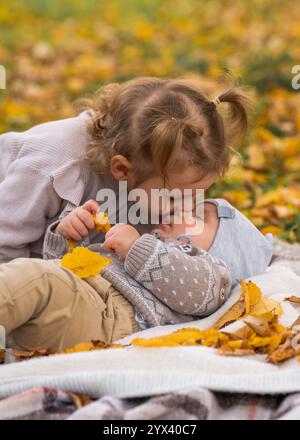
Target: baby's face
(202,230)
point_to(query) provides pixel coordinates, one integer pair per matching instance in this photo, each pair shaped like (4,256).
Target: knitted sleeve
(27,200)
(55,245)
(191,285)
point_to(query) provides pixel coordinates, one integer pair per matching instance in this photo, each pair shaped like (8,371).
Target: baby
(165,277)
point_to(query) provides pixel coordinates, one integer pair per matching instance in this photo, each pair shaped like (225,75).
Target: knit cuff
(139,253)
(55,245)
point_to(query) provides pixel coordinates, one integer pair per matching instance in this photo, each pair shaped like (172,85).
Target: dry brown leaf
(21,355)
(92,345)
(233,314)
(293,299)
(279,355)
(226,351)
(258,325)
(79,400)
(2,355)
(251,294)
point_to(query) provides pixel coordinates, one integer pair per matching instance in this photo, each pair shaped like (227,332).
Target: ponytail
(236,122)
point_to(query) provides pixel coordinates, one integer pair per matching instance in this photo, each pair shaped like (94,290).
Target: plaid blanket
(189,404)
(186,404)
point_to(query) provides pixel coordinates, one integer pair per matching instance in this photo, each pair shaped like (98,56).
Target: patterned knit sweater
(167,283)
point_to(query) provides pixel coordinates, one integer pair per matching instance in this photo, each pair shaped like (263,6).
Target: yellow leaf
(101,222)
(91,346)
(84,263)
(235,344)
(233,314)
(258,341)
(71,245)
(251,294)
(293,299)
(266,305)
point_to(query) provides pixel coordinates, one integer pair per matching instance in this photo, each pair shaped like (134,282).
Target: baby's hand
(119,239)
(79,222)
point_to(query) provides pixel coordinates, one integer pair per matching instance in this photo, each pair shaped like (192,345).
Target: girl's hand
(119,239)
(79,222)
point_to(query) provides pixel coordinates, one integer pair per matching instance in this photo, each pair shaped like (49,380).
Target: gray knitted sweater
(167,283)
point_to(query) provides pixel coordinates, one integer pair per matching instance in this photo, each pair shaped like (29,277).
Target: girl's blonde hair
(152,121)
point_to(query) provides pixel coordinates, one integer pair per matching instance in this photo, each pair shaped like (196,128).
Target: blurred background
(56,51)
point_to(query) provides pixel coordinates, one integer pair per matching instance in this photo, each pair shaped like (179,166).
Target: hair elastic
(216,101)
(236,152)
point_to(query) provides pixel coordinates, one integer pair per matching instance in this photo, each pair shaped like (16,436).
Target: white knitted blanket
(136,371)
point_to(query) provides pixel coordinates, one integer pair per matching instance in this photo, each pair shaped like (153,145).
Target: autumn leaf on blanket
(251,302)
(91,346)
(84,263)
(293,299)
(2,355)
(233,314)
(284,350)
(185,336)
(21,355)
(79,400)
(259,325)
(251,294)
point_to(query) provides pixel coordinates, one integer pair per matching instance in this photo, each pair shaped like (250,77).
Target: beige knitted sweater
(42,172)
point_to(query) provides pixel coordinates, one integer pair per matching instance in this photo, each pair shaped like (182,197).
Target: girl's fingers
(91,206)
(79,227)
(86,218)
(71,232)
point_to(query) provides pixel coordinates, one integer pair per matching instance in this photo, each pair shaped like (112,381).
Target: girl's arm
(27,199)
(191,285)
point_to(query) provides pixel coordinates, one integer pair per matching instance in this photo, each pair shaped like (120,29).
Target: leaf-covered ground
(55,51)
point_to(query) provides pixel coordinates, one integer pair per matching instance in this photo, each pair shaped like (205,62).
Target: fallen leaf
(85,263)
(234,313)
(21,355)
(71,245)
(226,351)
(2,355)
(91,346)
(293,299)
(258,325)
(79,400)
(102,222)
(251,294)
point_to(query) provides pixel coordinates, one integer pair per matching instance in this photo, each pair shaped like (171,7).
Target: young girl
(141,131)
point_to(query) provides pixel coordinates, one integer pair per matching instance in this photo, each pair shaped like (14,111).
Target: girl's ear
(121,168)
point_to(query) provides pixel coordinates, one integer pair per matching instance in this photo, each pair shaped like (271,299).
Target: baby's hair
(156,123)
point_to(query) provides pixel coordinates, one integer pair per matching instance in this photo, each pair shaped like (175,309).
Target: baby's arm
(192,285)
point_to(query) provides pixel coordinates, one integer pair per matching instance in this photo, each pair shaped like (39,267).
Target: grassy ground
(58,50)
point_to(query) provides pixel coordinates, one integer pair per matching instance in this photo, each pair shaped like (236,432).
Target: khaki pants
(43,305)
